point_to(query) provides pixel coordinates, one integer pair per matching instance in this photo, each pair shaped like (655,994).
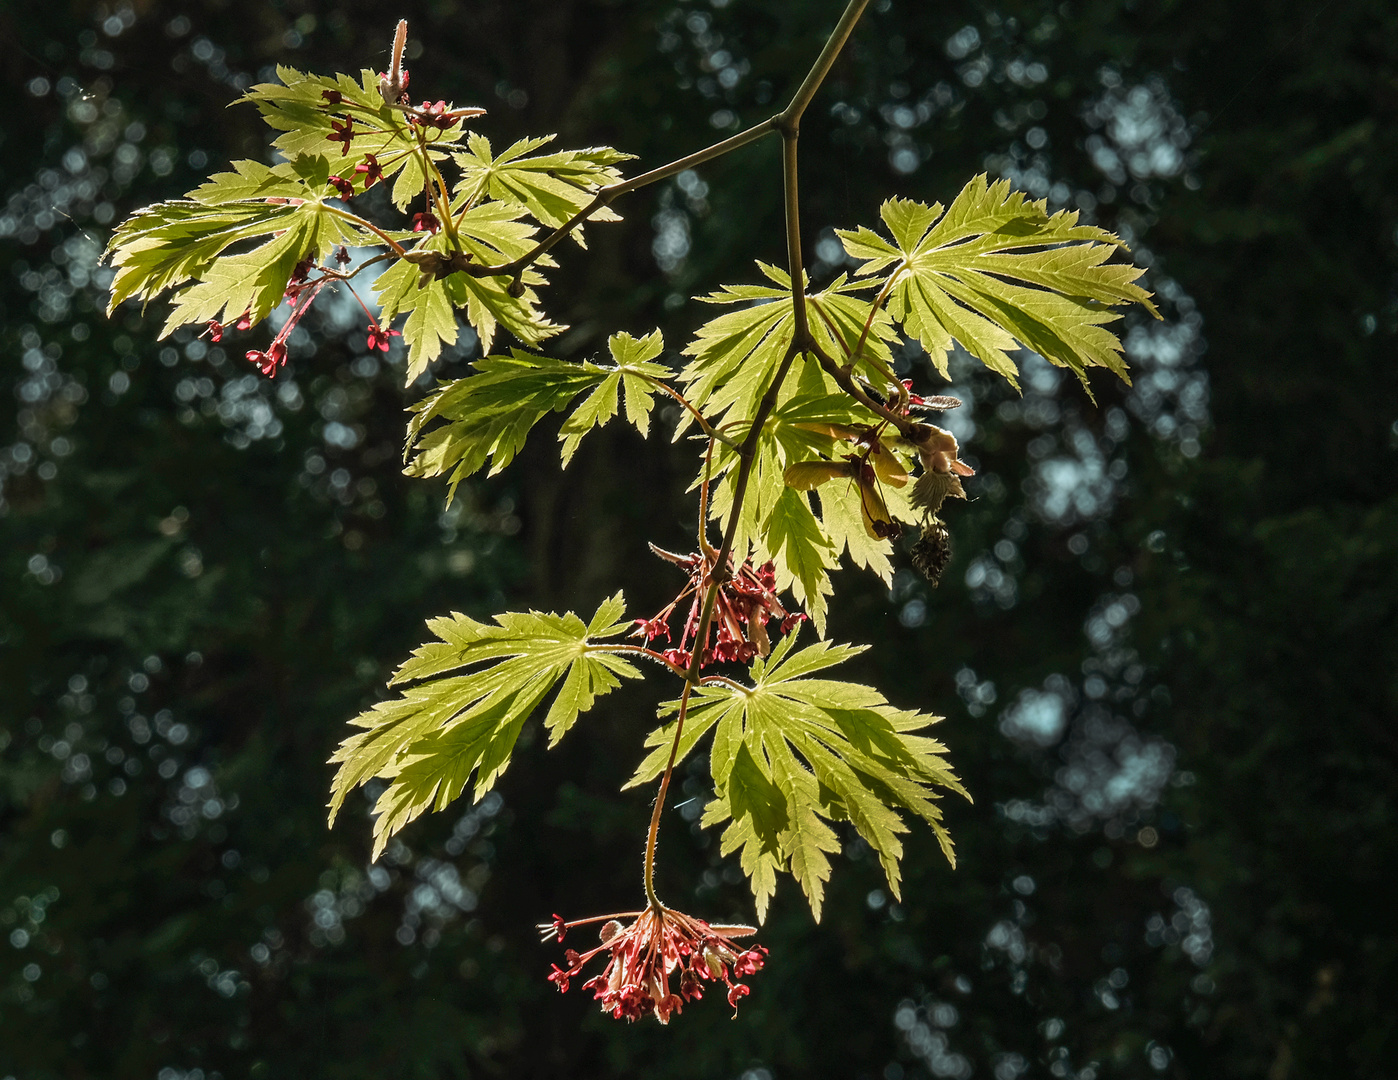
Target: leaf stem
(788,123)
(704,426)
(640,650)
(398,248)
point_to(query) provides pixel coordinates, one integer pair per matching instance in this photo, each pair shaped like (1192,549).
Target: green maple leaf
(490,234)
(779,524)
(996,272)
(467,696)
(166,245)
(791,754)
(254,281)
(734,355)
(636,374)
(183,244)
(489,415)
(298,108)
(552,187)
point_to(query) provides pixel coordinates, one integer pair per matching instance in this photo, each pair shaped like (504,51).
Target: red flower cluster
(745,602)
(343,187)
(426,222)
(644,956)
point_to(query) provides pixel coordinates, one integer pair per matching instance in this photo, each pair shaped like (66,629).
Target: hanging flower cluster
(647,954)
(738,629)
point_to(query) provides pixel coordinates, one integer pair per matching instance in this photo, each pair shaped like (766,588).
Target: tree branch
(788,122)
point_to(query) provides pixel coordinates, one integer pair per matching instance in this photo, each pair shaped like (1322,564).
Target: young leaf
(783,527)
(254,281)
(552,187)
(997,272)
(467,696)
(734,355)
(792,753)
(300,108)
(636,374)
(168,244)
(489,415)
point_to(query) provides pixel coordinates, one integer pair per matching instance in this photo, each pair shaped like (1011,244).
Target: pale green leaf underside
(467,696)
(791,754)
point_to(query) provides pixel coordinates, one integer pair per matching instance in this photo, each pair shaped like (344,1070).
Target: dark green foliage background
(271,608)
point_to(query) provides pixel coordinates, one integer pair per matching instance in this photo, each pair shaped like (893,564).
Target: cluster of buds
(646,955)
(738,630)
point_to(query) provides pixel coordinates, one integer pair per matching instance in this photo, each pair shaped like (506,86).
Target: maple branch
(788,123)
(605,195)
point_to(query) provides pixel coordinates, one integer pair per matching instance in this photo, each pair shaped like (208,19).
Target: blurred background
(1166,650)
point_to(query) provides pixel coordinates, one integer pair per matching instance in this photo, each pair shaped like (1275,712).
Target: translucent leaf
(166,245)
(490,234)
(467,696)
(551,187)
(299,108)
(996,272)
(488,415)
(791,754)
(634,372)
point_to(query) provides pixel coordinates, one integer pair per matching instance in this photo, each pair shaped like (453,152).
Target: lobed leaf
(489,415)
(791,754)
(467,696)
(551,187)
(997,272)
(299,109)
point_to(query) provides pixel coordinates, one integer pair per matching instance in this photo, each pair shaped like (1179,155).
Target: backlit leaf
(791,754)
(996,272)
(466,697)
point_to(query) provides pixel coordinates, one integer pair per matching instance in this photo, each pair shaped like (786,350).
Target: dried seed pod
(932,551)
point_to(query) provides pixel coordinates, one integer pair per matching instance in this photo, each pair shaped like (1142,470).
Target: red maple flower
(378,336)
(270,361)
(738,630)
(426,222)
(334,97)
(644,957)
(343,133)
(216,329)
(303,294)
(343,186)
(371,170)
